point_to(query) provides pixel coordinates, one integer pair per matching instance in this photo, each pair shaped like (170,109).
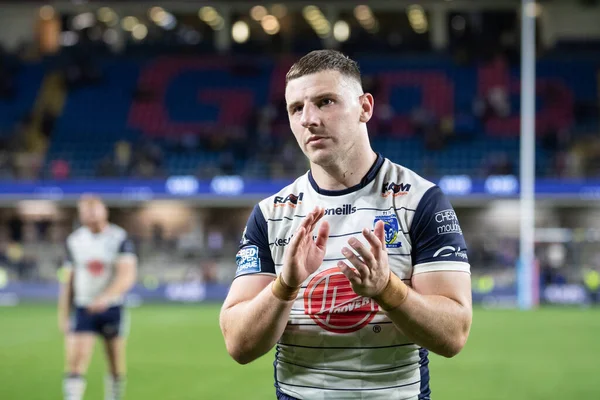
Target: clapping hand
(304,255)
(370,272)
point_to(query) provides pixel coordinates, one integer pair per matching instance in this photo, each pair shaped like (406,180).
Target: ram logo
(395,189)
(291,200)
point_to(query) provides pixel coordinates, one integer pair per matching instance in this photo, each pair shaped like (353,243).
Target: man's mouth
(316,139)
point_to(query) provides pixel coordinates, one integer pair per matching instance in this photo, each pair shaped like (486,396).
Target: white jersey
(92,257)
(338,345)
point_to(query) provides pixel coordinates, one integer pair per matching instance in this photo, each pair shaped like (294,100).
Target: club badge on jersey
(392,230)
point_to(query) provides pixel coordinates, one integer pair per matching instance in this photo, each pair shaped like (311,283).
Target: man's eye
(297,109)
(326,102)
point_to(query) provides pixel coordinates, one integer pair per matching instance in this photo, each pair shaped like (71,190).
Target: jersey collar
(368,178)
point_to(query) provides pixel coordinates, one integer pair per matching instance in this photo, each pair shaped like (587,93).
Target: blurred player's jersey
(92,257)
(338,345)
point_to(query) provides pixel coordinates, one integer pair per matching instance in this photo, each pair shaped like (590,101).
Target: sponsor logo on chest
(282,242)
(291,200)
(395,189)
(332,304)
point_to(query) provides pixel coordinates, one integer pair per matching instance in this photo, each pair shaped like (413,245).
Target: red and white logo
(330,301)
(95,267)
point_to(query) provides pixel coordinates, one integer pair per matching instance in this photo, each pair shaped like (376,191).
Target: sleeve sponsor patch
(435,232)
(450,251)
(127,247)
(447,222)
(247,260)
(254,253)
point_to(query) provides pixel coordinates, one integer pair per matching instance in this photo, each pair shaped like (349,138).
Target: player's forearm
(64,306)
(253,327)
(122,283)
(64,296)
(437,323)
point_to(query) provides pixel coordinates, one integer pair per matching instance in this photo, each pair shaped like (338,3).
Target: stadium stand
(192,112)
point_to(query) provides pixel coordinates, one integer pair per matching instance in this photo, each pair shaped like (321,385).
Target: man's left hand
(371,271)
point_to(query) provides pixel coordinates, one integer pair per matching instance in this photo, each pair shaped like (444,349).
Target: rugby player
(101,267)
(358,268)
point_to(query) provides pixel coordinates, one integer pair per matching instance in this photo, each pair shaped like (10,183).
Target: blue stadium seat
(197,95)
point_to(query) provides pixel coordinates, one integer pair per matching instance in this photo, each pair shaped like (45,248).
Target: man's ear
(366,104)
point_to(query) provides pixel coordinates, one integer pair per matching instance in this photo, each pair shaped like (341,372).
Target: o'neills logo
(346,209)
(330,301)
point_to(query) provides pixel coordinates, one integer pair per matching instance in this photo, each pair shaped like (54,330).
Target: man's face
(92,213)
(324,110)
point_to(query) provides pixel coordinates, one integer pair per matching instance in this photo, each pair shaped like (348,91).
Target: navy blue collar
(368,178)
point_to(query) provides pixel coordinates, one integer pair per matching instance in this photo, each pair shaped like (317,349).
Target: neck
(345,172)
(97,228)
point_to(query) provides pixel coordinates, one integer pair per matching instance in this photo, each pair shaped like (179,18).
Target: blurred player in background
(101,267)
(355,269)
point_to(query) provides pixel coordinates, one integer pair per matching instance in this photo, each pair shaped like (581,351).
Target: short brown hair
(324,60)
(89,199)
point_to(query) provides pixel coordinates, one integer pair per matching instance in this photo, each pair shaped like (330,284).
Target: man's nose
(309,116)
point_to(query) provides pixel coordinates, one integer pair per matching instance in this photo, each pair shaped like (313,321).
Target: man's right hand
(305,255)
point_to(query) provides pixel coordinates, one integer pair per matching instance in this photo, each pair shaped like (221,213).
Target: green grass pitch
(176,353)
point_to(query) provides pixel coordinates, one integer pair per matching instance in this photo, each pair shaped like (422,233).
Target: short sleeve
(127,247)
(254,254)
(437,239)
